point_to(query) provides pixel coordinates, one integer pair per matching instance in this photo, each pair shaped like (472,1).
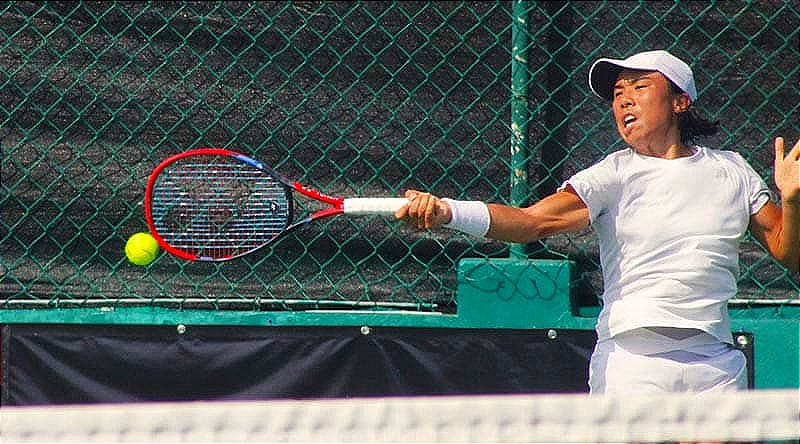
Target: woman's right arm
(557,213)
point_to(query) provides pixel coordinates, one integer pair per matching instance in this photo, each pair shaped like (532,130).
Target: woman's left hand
(787,171)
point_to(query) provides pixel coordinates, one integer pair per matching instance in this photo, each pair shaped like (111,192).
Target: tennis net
(750,416)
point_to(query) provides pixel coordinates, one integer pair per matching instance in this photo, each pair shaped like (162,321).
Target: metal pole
(520,113)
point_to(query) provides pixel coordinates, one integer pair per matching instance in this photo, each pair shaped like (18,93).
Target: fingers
(420,208)
(787,170)
(794,153)
(423,210)
(778,149)
(430,212)
(403,213)
(781,157)
(411,194)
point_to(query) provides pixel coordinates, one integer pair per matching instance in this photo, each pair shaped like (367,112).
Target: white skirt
(666,361)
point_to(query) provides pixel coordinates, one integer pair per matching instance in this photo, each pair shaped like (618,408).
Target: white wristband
(468,216)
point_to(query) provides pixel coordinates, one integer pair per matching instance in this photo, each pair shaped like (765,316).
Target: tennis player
(669,215)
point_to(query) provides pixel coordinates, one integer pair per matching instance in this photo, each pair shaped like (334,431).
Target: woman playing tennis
(669,215)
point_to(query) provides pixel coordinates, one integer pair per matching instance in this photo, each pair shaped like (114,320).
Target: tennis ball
(141,249)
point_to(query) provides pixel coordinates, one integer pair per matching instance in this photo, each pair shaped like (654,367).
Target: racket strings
(218,207)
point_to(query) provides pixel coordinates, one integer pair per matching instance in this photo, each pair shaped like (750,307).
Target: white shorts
(633,363)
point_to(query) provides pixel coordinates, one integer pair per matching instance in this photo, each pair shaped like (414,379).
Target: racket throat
(337,202)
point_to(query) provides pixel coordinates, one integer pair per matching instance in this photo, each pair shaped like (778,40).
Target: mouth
(628,120)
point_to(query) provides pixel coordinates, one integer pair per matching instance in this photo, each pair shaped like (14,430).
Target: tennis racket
(212,204)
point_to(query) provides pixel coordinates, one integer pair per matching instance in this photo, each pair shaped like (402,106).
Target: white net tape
(760,415)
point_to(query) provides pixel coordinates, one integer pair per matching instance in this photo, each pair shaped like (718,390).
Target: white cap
(603,73)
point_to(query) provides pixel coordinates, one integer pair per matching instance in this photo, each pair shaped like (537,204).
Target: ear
(681,103)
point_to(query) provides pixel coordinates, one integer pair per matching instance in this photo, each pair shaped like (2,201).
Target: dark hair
(692,123)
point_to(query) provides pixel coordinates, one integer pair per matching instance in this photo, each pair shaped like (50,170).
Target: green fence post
(520,113)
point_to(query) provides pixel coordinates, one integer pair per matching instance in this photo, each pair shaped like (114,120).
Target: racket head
(214,204)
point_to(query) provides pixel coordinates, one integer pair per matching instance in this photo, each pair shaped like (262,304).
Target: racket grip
(385,206)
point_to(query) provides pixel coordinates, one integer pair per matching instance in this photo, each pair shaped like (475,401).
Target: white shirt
(669,234)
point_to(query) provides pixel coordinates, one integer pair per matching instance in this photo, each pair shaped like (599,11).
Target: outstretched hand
(424,210)
(787,171)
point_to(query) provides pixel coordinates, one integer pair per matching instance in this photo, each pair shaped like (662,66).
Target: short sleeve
(758,193)
(597,186)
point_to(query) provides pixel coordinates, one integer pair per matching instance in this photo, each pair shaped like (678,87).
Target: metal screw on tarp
(743,340)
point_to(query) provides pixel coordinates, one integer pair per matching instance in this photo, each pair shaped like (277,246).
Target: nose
(624,100)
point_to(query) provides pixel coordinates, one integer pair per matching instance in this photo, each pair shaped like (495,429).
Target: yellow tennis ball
(141,249)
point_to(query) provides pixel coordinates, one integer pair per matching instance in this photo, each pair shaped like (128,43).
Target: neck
(674,151)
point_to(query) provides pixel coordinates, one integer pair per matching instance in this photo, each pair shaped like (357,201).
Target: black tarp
(59,364)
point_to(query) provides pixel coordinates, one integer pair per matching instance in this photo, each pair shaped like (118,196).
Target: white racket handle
(385,206)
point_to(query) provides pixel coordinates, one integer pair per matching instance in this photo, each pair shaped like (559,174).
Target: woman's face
(646,110)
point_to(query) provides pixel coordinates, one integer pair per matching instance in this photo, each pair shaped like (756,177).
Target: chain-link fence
(352,98)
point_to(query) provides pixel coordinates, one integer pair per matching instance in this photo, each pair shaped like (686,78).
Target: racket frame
(336,203)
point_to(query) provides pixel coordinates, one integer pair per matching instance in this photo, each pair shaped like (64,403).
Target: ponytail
(693,125)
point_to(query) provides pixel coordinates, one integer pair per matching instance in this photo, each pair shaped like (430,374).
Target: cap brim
(603,75)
